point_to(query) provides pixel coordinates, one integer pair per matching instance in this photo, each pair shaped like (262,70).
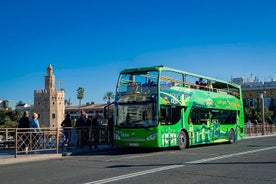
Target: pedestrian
(66,125)
(248,125)
(81,128)
(110,127)
(34,129)
(87,124)
(23,125)
(96,126)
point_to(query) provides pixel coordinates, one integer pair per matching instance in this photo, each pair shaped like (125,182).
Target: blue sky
(88,42)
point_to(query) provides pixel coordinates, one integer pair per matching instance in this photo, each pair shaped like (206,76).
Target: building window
(53,115)
(250,102)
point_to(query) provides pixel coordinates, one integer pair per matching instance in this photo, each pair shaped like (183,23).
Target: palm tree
(108,96)
(80,94)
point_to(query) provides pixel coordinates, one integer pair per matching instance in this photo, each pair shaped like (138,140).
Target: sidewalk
(7,155)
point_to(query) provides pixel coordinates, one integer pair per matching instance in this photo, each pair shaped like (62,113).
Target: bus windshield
(137,115)
(138,87)
(137,99)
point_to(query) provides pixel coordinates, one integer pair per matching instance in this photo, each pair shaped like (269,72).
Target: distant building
(252,89)
(6,104)
(90,109)
(24,107)
(239,80)
(49,103)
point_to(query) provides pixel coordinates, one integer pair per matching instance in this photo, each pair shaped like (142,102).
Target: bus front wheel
(231,138)
(182,140)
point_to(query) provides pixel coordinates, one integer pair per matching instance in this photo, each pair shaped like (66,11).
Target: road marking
(131,175)
(136,156)
(107,180)
(231,155)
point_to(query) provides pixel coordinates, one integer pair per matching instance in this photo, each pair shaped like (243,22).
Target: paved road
(7,155)
(248,161)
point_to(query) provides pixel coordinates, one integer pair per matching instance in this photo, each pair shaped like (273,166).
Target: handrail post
(57,140)
(15,144)
(90,138)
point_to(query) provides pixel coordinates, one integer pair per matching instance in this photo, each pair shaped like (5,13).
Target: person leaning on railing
(23,125)
(34,129)
(96,126)
(66,124)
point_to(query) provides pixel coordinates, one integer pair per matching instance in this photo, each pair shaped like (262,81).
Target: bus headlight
(116,136)
(152,137)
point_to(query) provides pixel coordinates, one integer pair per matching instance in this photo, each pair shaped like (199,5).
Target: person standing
(87,125)
(79,124)
(23,125)
(96,126)
(248,126)
(66,124)
(24,121)
(81,128)
(110,127)
(34,129)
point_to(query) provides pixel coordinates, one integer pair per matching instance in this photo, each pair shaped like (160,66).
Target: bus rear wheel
(182,140)
(232,137)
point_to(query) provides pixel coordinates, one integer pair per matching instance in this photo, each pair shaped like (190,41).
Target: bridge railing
(255,130)
(48,140)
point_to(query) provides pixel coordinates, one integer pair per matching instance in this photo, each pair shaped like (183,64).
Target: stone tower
(49,103)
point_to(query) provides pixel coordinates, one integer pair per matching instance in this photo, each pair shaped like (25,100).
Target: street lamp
(262,112)
(262,109)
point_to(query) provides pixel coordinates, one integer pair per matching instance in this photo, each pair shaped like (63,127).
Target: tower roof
(50,69)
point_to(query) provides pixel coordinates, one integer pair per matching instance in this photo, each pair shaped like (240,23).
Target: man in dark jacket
(23,125)
(96,127)
(67,124)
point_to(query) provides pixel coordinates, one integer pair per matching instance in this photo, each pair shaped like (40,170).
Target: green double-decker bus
(164,107)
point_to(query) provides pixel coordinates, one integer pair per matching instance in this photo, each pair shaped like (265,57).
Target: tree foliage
(253,114)
(10,118)
(108,96)
(80,94)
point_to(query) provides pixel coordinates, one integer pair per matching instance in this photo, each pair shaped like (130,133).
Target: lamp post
(262,112)
(262,109)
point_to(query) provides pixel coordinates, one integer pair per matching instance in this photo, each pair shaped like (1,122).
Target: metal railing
(24,141)
(255,130)
(47,140)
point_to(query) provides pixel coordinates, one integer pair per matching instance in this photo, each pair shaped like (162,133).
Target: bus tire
(231,137)
(182,140)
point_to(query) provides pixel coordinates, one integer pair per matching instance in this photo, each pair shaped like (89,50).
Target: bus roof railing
(163,68)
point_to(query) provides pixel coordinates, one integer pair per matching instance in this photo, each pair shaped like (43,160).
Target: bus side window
(170,114)
(164,117)
(204,116)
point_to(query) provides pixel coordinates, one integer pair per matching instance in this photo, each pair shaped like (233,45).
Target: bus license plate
(133,144)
